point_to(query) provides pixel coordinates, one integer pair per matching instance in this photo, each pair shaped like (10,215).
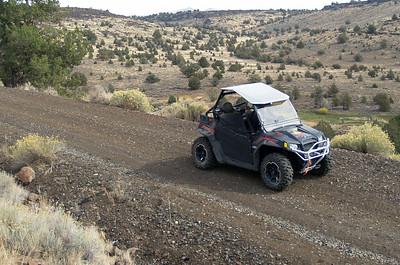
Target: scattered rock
(26,175)
(33,197)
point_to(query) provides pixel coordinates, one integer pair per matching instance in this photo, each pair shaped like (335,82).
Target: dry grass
(186,109)
(45,233)
(98,94)
(32,148)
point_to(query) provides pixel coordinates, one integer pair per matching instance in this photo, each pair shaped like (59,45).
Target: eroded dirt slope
(351,216)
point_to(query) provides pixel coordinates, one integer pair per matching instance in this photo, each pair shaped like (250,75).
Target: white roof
(258,93)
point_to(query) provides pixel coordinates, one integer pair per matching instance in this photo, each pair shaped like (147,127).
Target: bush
(45,233)
(203,62)
(152,78)
(371,29)
(346,100)
(194,83)
(342,38)
(268,80)
(131,99)
(254,78)
(237,67)
(383,101)
(332,90)
(31,149)
(171,99)
(187,110)
(213,93)
(300,45)
(366,138)
(326,128)
(358,57)
(316,77)
(323,111)
(393,128)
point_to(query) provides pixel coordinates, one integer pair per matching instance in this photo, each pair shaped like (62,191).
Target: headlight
(293,146)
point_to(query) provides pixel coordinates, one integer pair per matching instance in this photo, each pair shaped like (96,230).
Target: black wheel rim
(272,172)
(201,153)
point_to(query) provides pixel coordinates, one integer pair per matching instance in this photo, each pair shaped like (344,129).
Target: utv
(256,127)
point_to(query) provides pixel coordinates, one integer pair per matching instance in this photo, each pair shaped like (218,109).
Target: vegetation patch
(131,99)
(366,138)
(30,150)
(186,109)
(45,233)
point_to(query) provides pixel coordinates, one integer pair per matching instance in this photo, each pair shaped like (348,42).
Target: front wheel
(276,171)
(202,153)
(323,167)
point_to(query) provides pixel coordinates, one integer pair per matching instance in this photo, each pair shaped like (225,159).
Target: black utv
(256,127)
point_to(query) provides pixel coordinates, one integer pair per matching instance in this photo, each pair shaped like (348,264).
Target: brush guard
(314,155)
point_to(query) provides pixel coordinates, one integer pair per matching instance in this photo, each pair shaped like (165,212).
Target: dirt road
(351,216)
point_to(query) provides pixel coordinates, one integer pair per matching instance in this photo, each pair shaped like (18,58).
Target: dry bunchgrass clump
(45,233)
(10,191)
(131,99)
(99,94)
(33,148)
(185,109)
(366,138)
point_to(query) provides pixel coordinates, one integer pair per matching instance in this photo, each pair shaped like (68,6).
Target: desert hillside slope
(140,187)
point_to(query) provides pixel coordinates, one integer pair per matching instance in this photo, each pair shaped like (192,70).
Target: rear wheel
(323,167)
(202,153)
(276,171)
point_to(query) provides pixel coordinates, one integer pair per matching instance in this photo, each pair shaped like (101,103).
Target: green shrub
(254,78)
(393,130)
(194,83)
(131,99)
(213,93)
(203,62)
(383,101)
(358,57)
(268,80)
(342,38)
(152,78)
(171,99)
(366,138)
(326,128)
(237,67)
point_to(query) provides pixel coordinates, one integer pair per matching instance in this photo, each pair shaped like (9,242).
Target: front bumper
(314,155)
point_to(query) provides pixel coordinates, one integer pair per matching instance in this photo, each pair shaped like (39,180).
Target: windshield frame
(270,126)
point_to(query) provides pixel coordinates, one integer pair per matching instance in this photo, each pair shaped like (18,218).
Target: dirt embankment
(130,173)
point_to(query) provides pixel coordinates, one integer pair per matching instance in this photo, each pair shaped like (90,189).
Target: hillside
(298,52)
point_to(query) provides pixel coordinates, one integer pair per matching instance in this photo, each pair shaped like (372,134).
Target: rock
(26,175)
(33,197)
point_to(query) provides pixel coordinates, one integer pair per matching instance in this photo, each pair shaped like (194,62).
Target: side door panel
(234,138)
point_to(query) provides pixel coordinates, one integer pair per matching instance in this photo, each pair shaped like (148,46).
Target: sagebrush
(32,148)
(45,233)
(131,99)
(366,138)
